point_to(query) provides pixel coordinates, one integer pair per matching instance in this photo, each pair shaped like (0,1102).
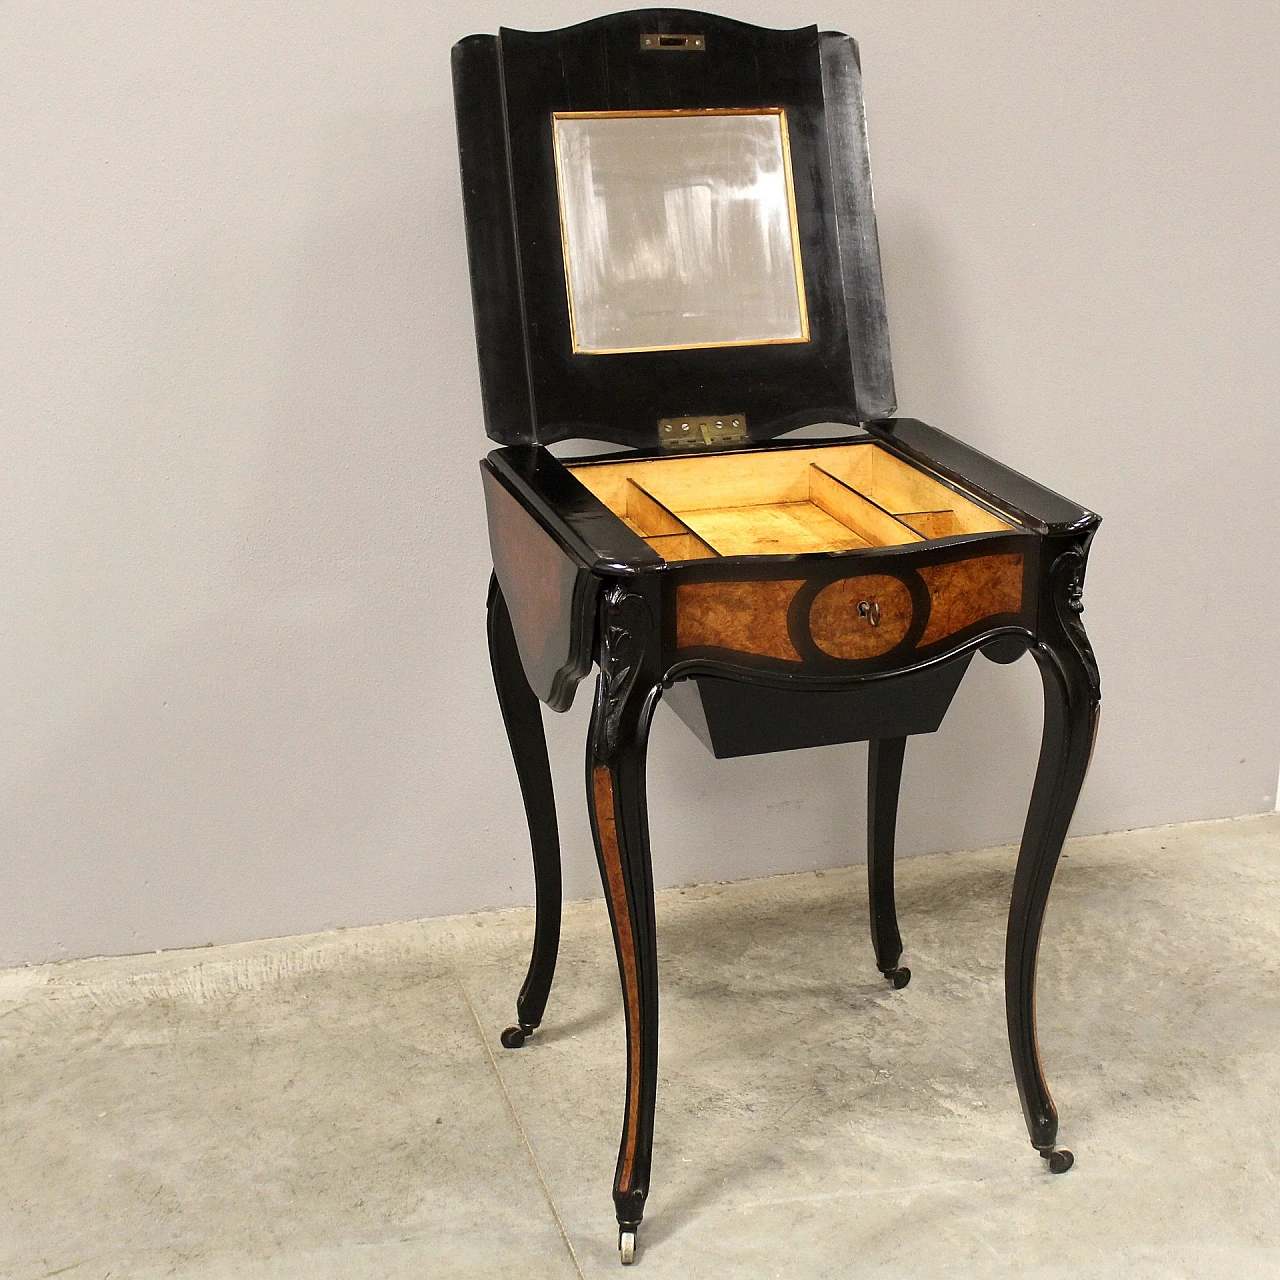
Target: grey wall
(243,680)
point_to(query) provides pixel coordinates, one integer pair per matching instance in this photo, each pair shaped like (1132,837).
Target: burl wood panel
(839,630)
(607,826)
(749,617)
(968,591)
(537,579)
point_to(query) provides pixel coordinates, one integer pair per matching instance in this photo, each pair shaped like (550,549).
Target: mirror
(679,229)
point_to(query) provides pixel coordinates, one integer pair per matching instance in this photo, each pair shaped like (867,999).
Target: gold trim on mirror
(772,327)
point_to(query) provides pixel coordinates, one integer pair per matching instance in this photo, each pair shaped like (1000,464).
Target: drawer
(852,619)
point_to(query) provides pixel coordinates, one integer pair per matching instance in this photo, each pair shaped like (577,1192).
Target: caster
(514,1037)
(1059,1158)
(899,977)
(627,1247)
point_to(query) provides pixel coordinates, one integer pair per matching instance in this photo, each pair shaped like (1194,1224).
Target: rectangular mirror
(679,229)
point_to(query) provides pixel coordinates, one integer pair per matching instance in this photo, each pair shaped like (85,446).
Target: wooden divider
(864,517)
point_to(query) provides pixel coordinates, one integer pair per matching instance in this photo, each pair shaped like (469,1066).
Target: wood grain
(933,524)
(838,629)
(607,826)
(968,591)
(859,513)
(772,479)
(899,487)
(538,580)
(766,529)
(647,516)
(681,546)
(747,617)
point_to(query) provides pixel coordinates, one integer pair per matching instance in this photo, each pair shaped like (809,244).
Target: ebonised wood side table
(673,249)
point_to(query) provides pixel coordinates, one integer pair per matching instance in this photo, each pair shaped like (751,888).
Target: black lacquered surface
(508,89)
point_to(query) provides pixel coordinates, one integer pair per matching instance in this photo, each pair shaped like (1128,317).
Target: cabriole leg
(626,696)
(522,715)
(1071,700)
(884,778)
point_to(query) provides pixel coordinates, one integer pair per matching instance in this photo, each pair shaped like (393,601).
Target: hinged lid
(669,221)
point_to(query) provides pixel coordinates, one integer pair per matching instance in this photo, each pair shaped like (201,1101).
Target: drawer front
(855,619)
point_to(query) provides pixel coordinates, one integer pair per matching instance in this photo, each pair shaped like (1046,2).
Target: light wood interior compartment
(681,546)
(933,524)
(661,529)
(871,522)
(783,502)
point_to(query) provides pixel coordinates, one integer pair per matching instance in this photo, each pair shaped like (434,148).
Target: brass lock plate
(656,42)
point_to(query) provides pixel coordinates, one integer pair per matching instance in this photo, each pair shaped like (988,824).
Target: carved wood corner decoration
(624,628)
(1066,591)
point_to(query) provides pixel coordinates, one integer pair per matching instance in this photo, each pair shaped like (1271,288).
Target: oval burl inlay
(839,630)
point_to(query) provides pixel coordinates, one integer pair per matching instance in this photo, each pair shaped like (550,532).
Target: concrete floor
(339,1107)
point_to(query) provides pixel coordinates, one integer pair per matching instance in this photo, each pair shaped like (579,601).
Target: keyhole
(870,610)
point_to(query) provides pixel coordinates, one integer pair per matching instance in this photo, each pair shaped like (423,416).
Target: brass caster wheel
(898,977)
(514,1037)
(1059,1158)
(627,1247)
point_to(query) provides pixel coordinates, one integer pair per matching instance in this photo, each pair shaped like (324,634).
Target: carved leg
(884,776)
(522,715)
(1071,698)
(626,696)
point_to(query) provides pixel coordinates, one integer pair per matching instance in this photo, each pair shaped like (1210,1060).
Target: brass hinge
(703,431)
